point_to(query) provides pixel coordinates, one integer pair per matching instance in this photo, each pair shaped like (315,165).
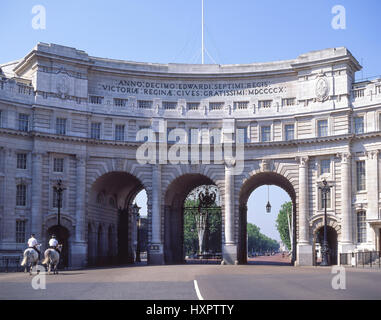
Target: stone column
(156,248)
(346,243)
(229,249)
(9,202)
(79,246)
(36,213)
(304,248)
(371,171)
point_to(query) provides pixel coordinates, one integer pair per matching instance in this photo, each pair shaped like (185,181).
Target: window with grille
(360,173)
(21,195)
(361,226)
(58,165)
(241,105)
(61,126)
(325,166)
(120,102)
(23,122)
(20,231)
(359,125)
(378,89)
(289,132)
(265,133)
(216,105)
(119,132)
(288,102)
(359,93)
(96,99)
(95,132)
(168,105)
(193,105)
(322,128)
(21,160)
(144,104)
(264,103)
(242,135)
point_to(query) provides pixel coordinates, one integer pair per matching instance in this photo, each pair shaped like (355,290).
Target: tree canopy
(282,223)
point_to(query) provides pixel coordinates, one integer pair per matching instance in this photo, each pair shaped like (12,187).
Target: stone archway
(108,246)
(174,198)
(249,185)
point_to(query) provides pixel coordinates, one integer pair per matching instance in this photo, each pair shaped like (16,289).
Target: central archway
(253,182)
(174,200)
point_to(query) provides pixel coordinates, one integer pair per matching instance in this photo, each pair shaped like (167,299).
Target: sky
(169,31)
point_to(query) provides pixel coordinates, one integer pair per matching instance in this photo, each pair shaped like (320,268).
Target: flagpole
(202,31)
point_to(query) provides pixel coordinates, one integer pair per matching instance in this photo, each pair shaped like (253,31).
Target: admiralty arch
(65,115)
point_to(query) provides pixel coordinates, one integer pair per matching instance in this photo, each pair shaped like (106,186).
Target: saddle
(55,248)
(38,251)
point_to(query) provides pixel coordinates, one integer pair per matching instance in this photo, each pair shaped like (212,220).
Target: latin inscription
(175,89)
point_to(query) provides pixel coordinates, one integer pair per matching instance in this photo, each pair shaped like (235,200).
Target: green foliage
(258,242)
(213,239)
(282,223)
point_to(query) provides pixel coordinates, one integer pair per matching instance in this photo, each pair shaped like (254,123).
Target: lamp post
(268,205)
(59,189)
(136,209)
(325,188)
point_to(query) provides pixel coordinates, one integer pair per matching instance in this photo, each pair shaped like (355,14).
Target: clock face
(322,88)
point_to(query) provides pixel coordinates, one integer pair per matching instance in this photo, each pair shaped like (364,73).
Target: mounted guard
(31,254)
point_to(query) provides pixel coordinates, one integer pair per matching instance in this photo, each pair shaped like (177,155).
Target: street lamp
(325,188)
(268,205)
(135,210)
(58,189)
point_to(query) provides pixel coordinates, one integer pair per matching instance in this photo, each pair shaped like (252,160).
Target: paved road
(177,282)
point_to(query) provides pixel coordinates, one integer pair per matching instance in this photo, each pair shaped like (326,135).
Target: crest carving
(321,88)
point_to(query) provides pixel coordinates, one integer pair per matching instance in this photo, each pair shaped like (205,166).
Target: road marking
(199,296)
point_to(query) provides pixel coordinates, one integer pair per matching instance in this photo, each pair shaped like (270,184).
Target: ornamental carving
(321,88)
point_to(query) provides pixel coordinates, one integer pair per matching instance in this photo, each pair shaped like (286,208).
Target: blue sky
(240,31)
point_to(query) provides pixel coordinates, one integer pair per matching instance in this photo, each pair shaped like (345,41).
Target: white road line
(199,296)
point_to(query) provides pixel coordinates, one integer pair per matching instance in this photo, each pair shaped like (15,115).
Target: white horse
(52,257)
(30,258)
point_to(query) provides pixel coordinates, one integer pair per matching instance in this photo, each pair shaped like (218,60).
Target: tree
(256,241)
(282,223)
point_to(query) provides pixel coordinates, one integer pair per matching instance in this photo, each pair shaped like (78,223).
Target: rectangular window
(169,105)
(378,89)
(58,165)
(95,132)
(265,103)
(193,105)
(120,102)
(322,202)
(21,160)
(20,231)
(193,135)
(289,132)
(288,102)
(241,105)
(358,93)
(21,195)
(361,226)
(119,132)
(23,122)
(96,99)
(360,173)
(216,105)
(61,126)
(322,128)
(359,125)
(242,135)
(265,133)
(325,166)
(144,104)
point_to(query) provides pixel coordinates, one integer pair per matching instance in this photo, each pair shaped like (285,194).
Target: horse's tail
(46,260)
(24,261)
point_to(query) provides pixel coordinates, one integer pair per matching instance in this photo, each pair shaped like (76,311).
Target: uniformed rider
(53,243)
(32,243)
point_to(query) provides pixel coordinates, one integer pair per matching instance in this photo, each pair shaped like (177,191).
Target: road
(214,282)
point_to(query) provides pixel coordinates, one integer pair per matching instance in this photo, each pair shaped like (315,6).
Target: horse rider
(53,243)
(32,243)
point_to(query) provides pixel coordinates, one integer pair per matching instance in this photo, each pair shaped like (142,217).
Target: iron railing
(10,263)
(370,259)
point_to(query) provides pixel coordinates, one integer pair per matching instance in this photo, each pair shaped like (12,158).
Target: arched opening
(203,225)
(332,245)
(114,213)
(177,192)
(248,187)
(62,235)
